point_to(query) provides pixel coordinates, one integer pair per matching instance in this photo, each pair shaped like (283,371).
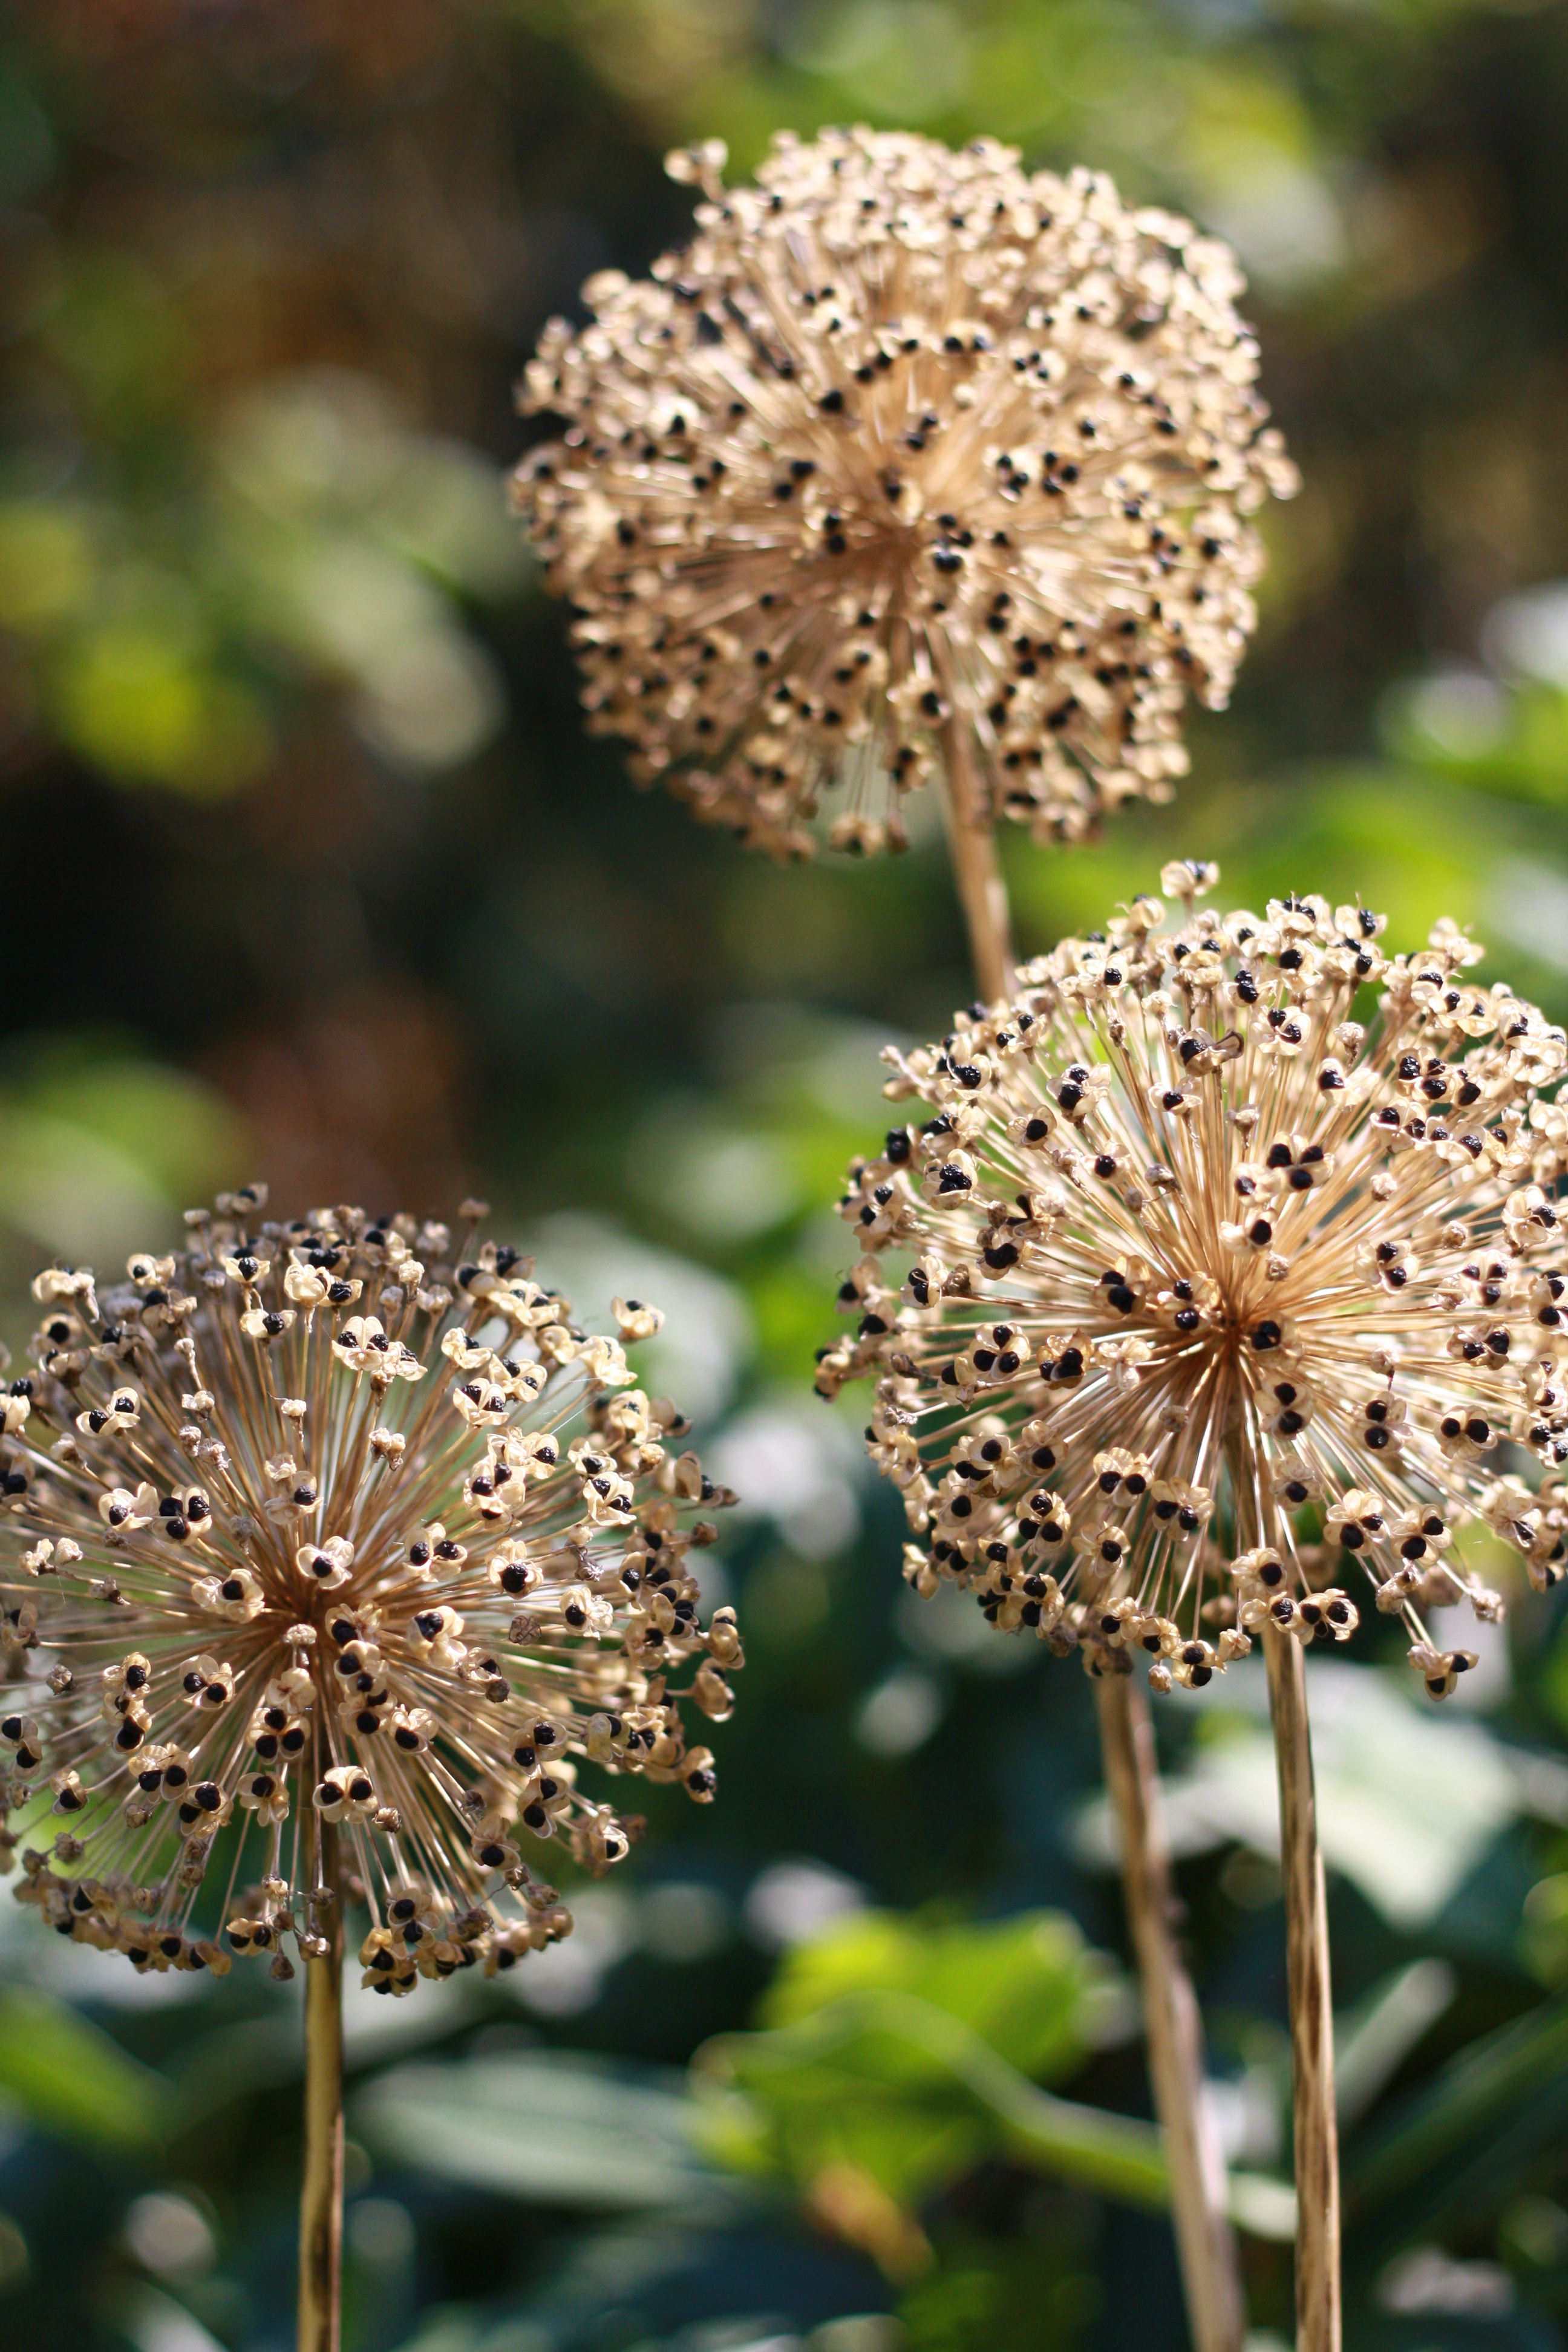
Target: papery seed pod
(1149,1377)
(312,1616)
(906,449)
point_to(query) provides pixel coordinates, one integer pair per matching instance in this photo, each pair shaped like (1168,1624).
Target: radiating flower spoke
(910,458)
(1192,1254)
(393,1558)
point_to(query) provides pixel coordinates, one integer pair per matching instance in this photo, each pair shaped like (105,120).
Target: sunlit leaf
(910,2094)
(70,2079)
(1025,1986)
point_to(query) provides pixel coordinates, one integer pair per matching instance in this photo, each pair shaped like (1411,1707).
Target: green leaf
(563,2130)
(901,2048)
(1373,2042)
(1024,1985)
(912,2095)
(71,2079)
(1463,2142)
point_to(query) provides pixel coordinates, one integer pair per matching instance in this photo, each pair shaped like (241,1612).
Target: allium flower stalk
(338,1524)
(1197,1301)
(911,459)
(1220,1308)
(336,1548)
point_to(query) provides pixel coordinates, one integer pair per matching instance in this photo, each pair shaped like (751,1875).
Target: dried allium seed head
(910,457)
(334,1526)
(1217,1300)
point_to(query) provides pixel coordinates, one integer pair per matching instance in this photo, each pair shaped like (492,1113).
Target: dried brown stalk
(1311,2012)
(982,893)
(321,2194)
(1172,2024)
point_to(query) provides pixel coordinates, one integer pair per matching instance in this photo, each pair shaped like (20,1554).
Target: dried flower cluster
(910,458)
(334,1539)
(1199,1261)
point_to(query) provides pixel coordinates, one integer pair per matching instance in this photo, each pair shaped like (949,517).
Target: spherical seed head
(339,1525)
(1196,1301)
(909,457)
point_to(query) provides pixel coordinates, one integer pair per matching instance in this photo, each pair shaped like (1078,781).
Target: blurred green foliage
(314,873)
(895,2055)
(71,2079)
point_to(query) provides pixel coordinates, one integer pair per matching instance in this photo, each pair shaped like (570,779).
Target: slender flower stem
(971,841)
(321,2197)
(1172,2020)
(1311,2012)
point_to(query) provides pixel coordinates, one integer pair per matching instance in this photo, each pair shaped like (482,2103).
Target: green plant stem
(321,2194)
(1172,2024)
(1318,2319)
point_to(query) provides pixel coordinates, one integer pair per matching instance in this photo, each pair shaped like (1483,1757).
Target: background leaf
(71,2080)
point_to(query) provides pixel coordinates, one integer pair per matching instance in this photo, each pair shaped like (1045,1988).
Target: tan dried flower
(910,458)
(1205,1276)
(335,1523)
